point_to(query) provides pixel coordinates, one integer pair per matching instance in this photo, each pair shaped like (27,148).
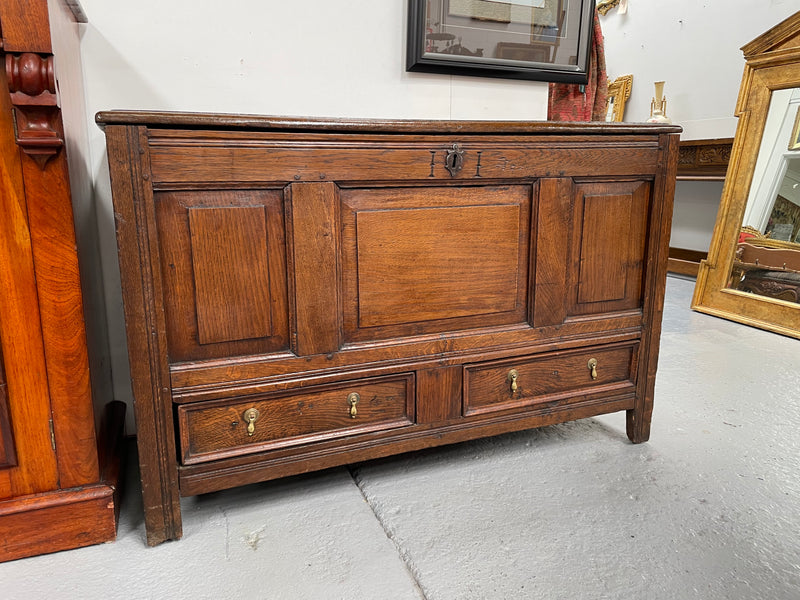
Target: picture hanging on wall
(544,40)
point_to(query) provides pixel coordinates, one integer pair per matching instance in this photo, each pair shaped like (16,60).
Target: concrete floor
(709,508)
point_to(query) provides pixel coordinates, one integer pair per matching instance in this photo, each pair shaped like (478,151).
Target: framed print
(544,40)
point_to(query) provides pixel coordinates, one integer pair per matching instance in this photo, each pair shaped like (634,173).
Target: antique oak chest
(304,293)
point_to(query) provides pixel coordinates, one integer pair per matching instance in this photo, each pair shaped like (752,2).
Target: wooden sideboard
(698,160)
(303,293)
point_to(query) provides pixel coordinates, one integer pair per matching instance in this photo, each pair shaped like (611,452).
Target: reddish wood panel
(315,245)
(51,497)
(417,260)
(230,261)
(608,248)
(218,430)
(556,377)
(63,520)
(20,335)
(223,263)
(25,26)
(61,309)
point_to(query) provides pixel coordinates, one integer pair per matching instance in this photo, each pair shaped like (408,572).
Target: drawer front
(213,430)
(552,379)
(176,158)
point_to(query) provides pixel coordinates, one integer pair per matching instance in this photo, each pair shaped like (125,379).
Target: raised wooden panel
(8,455)
(404,279)
(601,276)
(223,261)
(417,260)
(230,261)
(608,247)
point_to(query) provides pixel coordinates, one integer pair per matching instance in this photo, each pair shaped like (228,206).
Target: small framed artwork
(544,40)
(619,91)
(794,142)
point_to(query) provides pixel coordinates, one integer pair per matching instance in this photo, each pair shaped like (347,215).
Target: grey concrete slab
(707,509)
(306,537)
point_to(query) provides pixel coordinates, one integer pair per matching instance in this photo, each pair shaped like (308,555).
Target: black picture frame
(541,51)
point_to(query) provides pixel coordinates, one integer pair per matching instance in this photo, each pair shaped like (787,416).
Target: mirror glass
(767,260)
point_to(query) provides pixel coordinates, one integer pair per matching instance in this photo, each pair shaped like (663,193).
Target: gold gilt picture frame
(794,142)
(772,65)
(619,91)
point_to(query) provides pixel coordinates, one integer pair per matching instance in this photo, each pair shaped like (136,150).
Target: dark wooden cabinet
(301,294)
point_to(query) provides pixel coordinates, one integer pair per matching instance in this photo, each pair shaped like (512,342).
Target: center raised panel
(424,260)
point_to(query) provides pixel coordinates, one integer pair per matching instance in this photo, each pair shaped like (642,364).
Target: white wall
(323,58)
(693,45)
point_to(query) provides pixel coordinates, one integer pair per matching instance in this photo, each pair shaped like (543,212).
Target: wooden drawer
(553,378)
(213,430)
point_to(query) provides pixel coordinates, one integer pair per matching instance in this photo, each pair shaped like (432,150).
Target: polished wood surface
(25,366)
(422,261)
(52,492)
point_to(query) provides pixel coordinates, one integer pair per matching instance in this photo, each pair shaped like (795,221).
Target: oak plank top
(324,124)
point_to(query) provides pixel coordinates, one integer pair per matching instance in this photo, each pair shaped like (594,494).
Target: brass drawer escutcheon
(454,160)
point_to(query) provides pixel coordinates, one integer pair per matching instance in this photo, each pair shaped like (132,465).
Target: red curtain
(572,102)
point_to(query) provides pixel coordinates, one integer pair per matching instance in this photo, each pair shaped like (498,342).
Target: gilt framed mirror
(752,273)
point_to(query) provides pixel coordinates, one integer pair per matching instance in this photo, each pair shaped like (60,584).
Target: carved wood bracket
(32,86)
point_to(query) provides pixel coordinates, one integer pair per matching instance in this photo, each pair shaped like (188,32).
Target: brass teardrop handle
(593,367)
(512,378)
(352,400)
(251,416)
